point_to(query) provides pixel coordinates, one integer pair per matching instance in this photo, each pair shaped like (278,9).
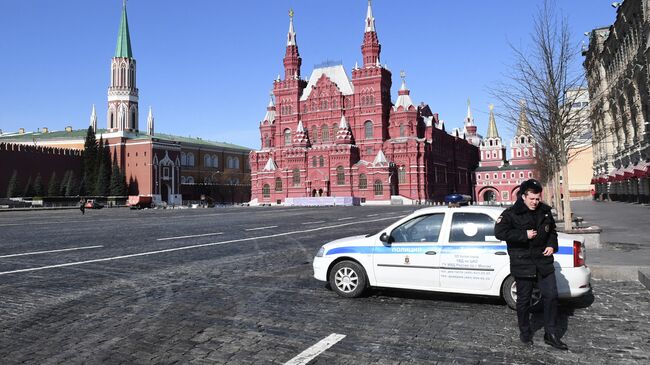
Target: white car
(443,249)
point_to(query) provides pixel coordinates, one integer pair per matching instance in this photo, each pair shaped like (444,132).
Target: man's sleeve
(504,230)
(552,235)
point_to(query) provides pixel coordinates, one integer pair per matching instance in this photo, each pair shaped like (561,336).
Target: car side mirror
(386,238)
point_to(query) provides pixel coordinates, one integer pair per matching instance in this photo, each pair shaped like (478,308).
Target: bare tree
(545,83)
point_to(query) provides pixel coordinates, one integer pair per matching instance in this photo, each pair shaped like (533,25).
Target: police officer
(529,230)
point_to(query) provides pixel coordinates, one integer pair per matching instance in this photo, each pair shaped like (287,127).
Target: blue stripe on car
(563,250)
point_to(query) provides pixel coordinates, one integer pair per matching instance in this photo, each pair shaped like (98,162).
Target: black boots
(554,341)
(526,338)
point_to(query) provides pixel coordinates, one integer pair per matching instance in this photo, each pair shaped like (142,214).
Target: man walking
(82,206)
(528,228)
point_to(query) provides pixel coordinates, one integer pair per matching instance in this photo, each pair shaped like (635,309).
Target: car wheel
(348,279)
(509,294)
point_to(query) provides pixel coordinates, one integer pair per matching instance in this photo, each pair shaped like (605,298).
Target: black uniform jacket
(526,256)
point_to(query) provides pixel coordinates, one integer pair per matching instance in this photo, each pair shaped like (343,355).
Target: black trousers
(548,289)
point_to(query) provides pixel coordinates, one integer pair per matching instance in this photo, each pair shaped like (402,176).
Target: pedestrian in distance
(529,230)
(82,206)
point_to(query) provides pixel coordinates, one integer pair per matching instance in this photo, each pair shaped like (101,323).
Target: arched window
(402,175)
(296,177)
(325,133)
(267,141)
(190,159)
(183,159)
(314,161)
(402,130)
(215,161)
(287,137)
(340,175)
(266,191)
(233,162)
(526,152)
(334,129)
(321,161)
(183,180)
(314,134)
(367,127)
(190,180)
(379,187)
(278,184)
(207,161)
(363,181)
(522,139)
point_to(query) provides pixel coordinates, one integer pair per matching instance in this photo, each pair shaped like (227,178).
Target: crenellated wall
(31,160)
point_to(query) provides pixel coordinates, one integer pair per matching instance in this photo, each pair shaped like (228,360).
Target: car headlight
(320,252)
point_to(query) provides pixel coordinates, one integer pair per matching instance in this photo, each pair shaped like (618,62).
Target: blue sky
(207,67)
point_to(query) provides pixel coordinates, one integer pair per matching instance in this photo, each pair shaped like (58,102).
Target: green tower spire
(123,48)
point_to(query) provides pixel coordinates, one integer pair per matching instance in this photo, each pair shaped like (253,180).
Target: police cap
(531,184)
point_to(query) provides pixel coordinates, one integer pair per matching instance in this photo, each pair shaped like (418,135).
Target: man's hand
(531,233)
(548,251)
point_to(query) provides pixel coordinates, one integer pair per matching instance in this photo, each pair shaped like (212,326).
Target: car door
(410,259)
(473,256)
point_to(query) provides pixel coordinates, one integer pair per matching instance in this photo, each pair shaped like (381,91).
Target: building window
(183,159)
(296,177)
(189,180)
(402,130)
(321,161)
(278,184)
(530,174)
(367,127)
(402,175)
(266,191)
(369,151)
(518,153)
(215,161)
(334,129)
(190,159)
(505,195)
(182,179)
(207,161)
(165,172)
(287,137)
(512,175)
(496,176)
(521,175)
(233,162)
(503,176)
(379,188)
(314,134)
(314,161)
(363,181)
(478,176)
(340,175)
(526,152)
(325,133)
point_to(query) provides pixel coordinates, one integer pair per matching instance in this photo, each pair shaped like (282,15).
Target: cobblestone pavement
(256,302)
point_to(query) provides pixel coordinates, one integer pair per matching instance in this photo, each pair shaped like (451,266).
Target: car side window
(425,228)
(474,227)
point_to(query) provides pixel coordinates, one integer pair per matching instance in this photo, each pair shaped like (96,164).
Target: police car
(443,249)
